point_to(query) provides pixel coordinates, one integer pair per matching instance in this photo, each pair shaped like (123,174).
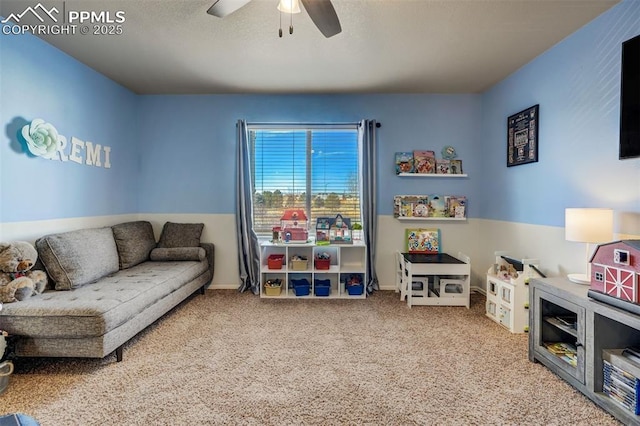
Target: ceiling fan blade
(324,16)
(222,8)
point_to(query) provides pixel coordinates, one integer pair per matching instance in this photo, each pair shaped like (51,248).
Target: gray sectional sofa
(105,286)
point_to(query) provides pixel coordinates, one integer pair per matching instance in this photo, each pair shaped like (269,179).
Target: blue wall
(577,84)
(176,154)
(39,81)
(188,143)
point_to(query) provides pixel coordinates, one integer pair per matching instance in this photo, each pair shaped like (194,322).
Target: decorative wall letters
(42,139)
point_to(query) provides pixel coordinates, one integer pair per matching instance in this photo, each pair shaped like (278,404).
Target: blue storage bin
(301,287)
(355,290)
(322,287)
(354,284)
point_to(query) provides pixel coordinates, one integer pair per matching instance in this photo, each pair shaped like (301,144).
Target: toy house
(340,230)
(615,270)
(322,230)
(294,226)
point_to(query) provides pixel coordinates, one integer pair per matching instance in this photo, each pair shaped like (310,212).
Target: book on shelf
(424,162)
(437,206)
(443,166)
(455,167)
(404,162)
(563,350)
(632,354)
(567,320)
(423,240)
(456,206)
(411,206)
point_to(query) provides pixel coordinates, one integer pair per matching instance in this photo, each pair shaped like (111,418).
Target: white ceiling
(386,46)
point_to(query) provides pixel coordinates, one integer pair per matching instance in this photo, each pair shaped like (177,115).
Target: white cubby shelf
(347,260)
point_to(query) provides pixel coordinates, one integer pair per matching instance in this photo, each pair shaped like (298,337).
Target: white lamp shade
(289,6)
(588,225)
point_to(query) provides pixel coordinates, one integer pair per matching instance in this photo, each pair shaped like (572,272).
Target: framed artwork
(522,137)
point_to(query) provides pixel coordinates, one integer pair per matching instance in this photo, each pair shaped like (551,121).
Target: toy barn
(615,270)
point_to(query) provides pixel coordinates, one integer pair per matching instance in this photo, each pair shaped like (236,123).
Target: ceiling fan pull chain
(280,30)
(291,24)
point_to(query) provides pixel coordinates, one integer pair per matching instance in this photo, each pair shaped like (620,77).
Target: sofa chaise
(105,286)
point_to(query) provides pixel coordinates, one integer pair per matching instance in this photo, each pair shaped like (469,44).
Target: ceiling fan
(321,13)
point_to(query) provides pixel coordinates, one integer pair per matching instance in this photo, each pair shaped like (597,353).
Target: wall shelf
(432,175)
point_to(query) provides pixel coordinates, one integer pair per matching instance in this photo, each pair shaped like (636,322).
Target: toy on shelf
(294,226)
(513,270)
(340,230)
(508,291)
(333,230)
(322,230)
(615,274)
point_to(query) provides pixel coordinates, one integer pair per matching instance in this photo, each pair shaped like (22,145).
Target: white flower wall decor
(43,139)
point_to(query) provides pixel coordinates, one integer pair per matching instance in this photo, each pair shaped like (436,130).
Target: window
(313,168)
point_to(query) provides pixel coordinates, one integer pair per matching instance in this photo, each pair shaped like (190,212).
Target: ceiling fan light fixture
(289,6)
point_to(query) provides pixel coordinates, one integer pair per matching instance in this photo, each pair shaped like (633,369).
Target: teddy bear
(17,280)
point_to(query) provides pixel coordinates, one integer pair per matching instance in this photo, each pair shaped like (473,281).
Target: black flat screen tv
(630,99)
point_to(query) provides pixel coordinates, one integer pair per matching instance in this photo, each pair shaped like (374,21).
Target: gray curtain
(367,137)
(248,247)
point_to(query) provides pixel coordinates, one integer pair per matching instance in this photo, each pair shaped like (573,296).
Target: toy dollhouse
(340,230)
(294,226)
(322,230)
(615,270)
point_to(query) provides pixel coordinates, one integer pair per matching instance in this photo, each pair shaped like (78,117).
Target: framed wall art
(522,137)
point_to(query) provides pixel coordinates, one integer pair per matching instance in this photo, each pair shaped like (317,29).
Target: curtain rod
(275,124)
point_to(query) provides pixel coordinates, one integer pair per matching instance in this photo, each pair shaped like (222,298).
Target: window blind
(317,170)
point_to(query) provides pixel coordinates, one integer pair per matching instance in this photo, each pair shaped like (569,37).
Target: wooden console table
(561,313)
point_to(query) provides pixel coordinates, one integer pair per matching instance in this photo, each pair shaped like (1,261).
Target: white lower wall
(31,231)
(478,238)
(218,229)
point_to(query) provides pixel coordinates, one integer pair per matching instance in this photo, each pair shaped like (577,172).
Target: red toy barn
(615,270)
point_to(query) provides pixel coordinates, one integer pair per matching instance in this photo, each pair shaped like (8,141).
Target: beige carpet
(229,358)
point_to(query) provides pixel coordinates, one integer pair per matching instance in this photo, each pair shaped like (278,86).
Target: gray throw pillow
(134,240)
(76,258)
(178,253)
(180,235)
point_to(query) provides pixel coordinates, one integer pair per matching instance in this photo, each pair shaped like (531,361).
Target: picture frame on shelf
(522,136)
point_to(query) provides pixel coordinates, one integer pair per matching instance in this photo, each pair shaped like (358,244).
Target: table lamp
(588,226)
